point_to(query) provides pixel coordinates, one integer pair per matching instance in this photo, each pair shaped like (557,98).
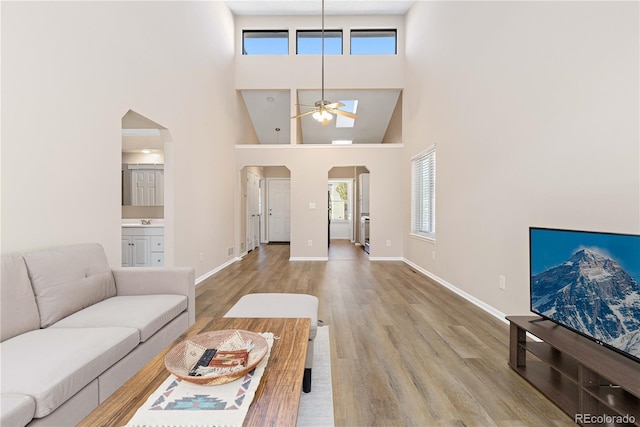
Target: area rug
(316,407)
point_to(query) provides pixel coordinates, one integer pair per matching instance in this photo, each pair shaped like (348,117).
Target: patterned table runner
(178,403)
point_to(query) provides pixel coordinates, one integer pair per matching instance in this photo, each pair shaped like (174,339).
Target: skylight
(350,106)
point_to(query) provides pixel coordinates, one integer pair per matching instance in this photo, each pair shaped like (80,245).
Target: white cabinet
(157,250)
(142,246)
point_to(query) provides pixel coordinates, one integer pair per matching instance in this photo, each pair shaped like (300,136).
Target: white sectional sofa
(73,330)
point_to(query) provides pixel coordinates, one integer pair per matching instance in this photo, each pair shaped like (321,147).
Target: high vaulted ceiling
(270,110)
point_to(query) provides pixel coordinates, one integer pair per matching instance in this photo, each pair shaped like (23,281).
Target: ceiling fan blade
(306,105)
(334,105)
(344,113)
(303,114)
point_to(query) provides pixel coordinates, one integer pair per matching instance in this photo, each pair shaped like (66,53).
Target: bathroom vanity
(142,245)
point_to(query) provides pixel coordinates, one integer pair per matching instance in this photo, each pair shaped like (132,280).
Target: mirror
(142,161)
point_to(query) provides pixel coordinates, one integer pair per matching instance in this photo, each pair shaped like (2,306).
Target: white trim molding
(475,301)
(215,270)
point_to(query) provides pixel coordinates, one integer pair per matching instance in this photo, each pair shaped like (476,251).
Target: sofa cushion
(68,279)
(51,365)
(147,313)
(18,310)
(17,410)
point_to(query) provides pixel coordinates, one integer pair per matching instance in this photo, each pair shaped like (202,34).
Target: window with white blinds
(423,194)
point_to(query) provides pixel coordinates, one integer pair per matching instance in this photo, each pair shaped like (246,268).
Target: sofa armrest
(158,280)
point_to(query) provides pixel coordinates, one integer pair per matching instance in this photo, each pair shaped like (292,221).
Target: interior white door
(253,211)
(159,190)
(144,187)
(147,187)
(279,210)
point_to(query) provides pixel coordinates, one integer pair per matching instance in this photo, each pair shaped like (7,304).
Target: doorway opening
(266,192)
(146,192)
(348,218)
(340,194)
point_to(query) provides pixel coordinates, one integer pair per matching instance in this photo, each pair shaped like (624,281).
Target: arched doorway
(146,176)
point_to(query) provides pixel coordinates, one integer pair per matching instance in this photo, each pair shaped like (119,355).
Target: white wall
(533,107)
(304,71)
(70,71)
(310,166)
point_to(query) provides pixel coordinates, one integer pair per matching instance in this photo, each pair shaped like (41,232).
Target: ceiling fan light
(322,116)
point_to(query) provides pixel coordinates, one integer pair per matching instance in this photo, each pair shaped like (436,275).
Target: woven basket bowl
(175,363)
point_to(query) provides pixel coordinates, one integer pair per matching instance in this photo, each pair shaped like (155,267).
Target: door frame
(252,221)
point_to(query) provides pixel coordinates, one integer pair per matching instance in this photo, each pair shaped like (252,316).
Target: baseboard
(215,270)
(309,258)
(475,301)
(382,258)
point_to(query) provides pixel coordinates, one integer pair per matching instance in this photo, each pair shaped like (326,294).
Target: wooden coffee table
(276,400)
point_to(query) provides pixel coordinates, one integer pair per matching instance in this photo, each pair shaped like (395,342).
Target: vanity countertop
(133,222)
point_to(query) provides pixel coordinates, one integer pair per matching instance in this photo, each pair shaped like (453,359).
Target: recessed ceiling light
(146,151)
(270,98)
(342,141)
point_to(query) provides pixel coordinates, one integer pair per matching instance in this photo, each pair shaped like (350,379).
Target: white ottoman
(283,306)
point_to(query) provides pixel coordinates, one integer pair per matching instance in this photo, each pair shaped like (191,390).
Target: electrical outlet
(229,251)
(388,242)
(201,256)
(309,242)
(433,255)
(501,282)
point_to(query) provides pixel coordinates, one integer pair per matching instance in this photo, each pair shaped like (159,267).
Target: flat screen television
(588,282)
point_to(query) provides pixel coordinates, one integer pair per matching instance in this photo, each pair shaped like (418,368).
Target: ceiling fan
(323,110)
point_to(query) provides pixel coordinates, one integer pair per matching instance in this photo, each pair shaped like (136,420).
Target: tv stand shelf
(584,379)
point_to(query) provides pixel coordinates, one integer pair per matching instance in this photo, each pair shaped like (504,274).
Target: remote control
(204,361)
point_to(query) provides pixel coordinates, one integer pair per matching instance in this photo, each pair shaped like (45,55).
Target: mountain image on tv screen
(591,293)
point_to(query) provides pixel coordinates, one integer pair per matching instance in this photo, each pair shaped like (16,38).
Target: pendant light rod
(322,97)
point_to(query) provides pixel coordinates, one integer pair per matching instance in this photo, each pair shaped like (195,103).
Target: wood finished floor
(404,350)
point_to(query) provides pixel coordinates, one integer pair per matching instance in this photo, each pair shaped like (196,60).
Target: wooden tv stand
(584,379)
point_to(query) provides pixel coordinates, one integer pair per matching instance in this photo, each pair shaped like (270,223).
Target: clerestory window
(265,42)
(309,42)
(374,42)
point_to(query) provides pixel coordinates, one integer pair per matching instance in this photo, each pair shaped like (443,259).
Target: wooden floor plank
(404,350)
